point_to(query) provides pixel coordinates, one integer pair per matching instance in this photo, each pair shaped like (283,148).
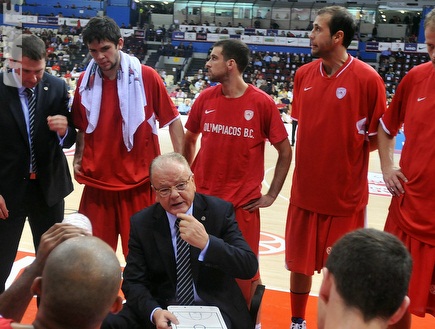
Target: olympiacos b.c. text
(228,130)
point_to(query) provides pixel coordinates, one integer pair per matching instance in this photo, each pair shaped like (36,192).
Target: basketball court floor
(274,274)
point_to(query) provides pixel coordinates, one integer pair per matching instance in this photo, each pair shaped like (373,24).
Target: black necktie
(31,104)
(184,271)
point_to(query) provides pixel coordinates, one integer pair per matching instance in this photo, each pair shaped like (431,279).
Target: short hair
(168,158)
(81,281)
(429,21)
(341,19)
(371,270)
(100,29)
(235,49)
(28,45)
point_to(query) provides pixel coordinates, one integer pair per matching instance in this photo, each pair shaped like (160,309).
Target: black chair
(256,302)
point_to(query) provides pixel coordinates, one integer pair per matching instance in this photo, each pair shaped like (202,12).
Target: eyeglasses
(166,191)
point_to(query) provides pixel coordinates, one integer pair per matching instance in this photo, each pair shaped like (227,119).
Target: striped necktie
(184,271)
(31,105)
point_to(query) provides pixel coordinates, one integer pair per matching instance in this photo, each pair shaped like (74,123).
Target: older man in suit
(218,253)
(34,127)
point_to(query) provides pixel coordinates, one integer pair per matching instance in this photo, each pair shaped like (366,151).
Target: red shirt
(230,162)
(5,323)
(336,115)
(414,106)
(106,163)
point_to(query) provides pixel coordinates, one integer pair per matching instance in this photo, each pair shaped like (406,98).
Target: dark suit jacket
(150,273)
(53,173)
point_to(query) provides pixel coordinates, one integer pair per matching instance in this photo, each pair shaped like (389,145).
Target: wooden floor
(273,271)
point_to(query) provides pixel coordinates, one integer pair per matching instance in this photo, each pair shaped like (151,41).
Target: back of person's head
(429,21)
(100,29)
(371,270)
(341,20)
(235,49)
(28,45)
(80,284)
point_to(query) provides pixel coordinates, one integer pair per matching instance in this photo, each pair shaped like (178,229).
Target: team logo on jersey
(340,92)
(249,114)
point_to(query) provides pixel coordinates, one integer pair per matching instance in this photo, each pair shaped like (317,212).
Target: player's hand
(58,123)
(77,166)
(4,212)
(54,236)
(394,179)
(265,201)
(77,169)
(163,319)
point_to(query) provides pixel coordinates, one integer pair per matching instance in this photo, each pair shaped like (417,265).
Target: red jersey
(230,161)
(106,163)
(335,117)
(5,323)
(414,106)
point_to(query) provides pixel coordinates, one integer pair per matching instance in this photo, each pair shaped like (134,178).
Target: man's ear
(117,305)
(36,287)
(231,63)
(325,287)
(400,311)
(120,43)
(339,35)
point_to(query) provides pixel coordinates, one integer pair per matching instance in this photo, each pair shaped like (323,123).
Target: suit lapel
(162,236)
(41,98)
(201,214)
(17,112)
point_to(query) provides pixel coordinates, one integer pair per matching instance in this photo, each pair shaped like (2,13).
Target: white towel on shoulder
(131,94)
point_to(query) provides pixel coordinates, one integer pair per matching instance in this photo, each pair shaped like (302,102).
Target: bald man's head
(80,282)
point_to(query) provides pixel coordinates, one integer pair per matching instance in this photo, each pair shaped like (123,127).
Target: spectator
(184,108)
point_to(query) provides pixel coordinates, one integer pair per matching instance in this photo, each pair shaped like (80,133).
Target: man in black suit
(218,252)
(31,188)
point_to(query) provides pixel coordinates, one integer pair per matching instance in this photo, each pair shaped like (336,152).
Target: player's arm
(78,153)
(393,177)
(189,148)
(281,169)
(4,212)
(373,143)
(176,132)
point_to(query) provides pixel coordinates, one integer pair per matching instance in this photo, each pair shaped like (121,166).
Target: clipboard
(197,317)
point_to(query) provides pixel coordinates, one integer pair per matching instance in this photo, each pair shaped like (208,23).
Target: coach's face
(174,186)
(29,71)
